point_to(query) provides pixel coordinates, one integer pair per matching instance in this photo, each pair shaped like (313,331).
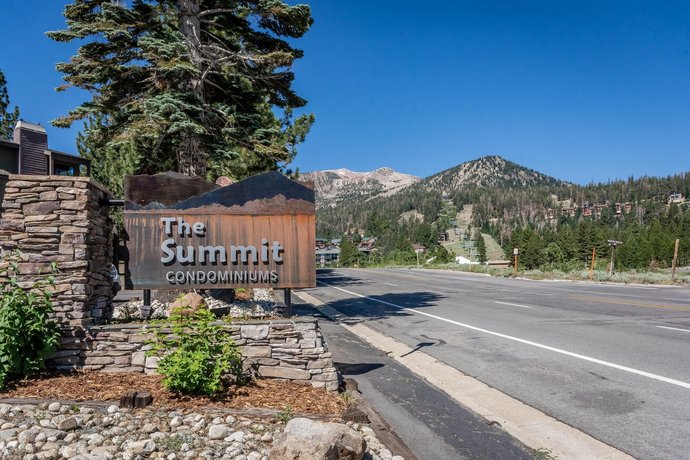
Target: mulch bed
(97,386)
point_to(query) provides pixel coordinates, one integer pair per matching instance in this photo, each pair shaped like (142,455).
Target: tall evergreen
(203,87)
(481,247)
(8,117)
(348,252)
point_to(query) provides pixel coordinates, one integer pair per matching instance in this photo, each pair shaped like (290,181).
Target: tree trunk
(192,159)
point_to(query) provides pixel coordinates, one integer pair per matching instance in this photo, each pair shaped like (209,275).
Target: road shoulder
(429,422)
(530,426)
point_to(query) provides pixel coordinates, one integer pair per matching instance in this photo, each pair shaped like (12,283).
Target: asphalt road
(610,360)
(430,423)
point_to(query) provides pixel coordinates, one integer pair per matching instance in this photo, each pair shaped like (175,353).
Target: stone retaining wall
(60,219)
(281,349)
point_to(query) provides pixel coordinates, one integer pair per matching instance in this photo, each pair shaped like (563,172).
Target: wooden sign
(259,232)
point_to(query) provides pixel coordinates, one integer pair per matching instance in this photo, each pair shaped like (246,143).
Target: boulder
(224,181)
(305,439)
(188,304)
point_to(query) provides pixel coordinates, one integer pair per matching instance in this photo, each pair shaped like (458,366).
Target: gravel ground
(54,431)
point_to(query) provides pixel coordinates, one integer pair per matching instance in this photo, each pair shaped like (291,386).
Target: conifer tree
(8,119)
(481,246)
(188,85)
(348,252)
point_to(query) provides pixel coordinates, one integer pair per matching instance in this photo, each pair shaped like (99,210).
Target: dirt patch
(97,386)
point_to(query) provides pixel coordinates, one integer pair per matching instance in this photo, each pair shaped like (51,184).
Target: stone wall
(283,349)
(59,219)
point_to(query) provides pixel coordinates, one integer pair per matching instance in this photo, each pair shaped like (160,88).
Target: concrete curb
(530,426)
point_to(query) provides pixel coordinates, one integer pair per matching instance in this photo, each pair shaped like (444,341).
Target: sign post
(613,244)
(675,259)
(185,233)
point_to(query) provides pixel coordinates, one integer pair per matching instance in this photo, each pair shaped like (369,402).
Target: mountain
(337,185)
(489,171)
(554,224)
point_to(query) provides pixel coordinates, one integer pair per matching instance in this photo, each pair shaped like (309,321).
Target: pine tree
(481,246)
(348,252)
(189,85)
(7,119)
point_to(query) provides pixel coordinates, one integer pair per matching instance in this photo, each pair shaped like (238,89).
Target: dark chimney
(33,142)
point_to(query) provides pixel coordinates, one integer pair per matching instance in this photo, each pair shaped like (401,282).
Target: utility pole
(591,270)
(516,251)
(675,259)
(613,244)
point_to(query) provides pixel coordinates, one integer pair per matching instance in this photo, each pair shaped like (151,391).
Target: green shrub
(195,354)
(27,335)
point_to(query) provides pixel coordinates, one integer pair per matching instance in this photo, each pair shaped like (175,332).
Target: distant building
(676,198)
(327,256)
(570,212)
(419,248)
(28,154)
(367,245)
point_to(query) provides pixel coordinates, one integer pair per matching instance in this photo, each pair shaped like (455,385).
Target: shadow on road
(382,306)
(419,346)
(330,276)
(357,369)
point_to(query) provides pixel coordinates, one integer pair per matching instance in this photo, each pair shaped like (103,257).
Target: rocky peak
(336,184)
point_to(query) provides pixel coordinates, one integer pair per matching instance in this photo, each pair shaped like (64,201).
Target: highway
(610,360)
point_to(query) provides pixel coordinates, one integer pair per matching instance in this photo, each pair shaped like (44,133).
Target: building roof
(10,144)
(30,126)
(327,251)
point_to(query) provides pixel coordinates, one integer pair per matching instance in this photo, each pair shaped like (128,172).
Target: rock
(149,428)
(68,424)
(47,424)
(113,409)
(237,436)
(175,422)
(224,295)
(6,435)
(94,435)
(27,436)
(187,304)
(224,181)
(217,431)
(254,331)
(303,438)
(139,447)
(54,407)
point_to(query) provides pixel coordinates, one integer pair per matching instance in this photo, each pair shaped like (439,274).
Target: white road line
(514,304)
(673,328)
(631,370)
(391,284)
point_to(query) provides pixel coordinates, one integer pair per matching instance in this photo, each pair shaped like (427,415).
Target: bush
(27,335)
(197,354)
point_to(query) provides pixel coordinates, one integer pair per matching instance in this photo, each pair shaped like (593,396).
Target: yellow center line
(632,303)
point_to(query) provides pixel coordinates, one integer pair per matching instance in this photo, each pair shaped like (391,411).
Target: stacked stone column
(61,220)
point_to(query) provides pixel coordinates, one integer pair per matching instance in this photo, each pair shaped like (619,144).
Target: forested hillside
(552,222)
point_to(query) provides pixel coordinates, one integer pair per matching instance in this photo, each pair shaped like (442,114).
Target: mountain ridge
(342,184)
(335,185)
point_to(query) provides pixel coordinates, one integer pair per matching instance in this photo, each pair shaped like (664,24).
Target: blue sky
(582,90)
